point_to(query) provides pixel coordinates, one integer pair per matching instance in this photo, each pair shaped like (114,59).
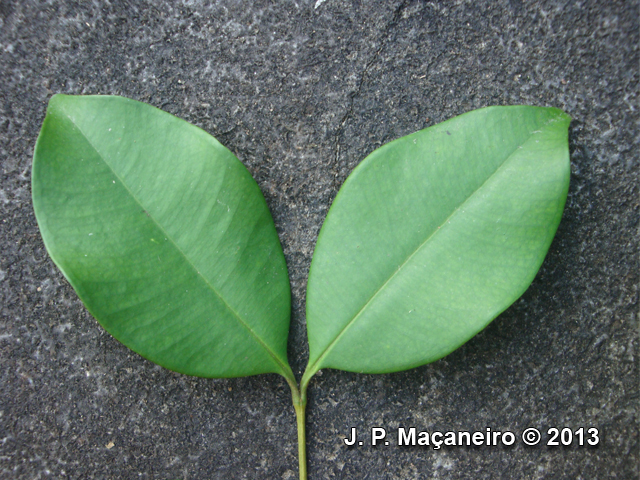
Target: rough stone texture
(302,91)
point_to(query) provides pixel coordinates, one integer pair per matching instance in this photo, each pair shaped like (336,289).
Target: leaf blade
(375,231)
(161,229)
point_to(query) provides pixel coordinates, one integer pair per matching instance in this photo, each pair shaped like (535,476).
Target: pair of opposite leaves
(168,240)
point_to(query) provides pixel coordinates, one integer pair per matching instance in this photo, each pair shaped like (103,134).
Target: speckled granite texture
(302,91)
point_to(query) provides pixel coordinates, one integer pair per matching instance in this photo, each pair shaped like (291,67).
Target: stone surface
(302,91)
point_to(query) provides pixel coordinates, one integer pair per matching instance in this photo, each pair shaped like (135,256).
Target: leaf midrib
(313,368)
(282,366)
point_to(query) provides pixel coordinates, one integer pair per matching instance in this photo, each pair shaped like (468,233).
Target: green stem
(302,440)
(299,404)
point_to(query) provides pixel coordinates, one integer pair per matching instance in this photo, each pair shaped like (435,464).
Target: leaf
(433,235)
(164,235)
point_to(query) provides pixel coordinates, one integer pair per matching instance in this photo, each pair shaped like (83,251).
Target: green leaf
(164,235)
(433,235)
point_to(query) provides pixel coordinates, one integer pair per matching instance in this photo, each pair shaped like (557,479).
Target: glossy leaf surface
(164,235)
(433,235)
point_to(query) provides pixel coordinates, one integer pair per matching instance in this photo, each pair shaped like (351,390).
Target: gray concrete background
(302,91)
